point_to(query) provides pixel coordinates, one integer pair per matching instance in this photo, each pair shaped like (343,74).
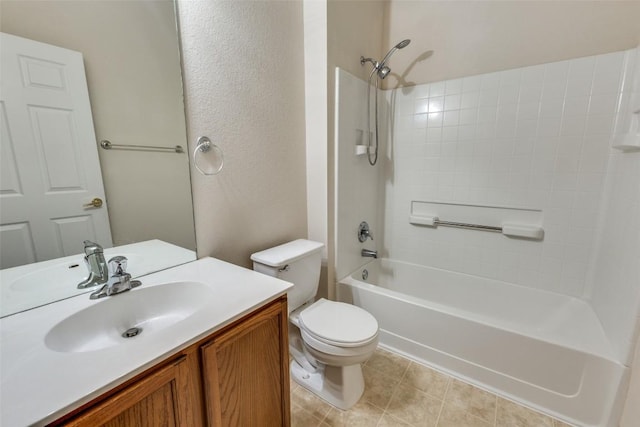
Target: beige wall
(473,37)
(244,87)
(354,29)
(132,63)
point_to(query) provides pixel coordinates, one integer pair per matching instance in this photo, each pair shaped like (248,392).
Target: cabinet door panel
(155,401)
(157,409)
(245,373)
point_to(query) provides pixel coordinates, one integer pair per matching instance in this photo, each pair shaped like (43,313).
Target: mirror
(130,52)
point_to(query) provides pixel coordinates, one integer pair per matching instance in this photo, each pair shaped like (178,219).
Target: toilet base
(340,386)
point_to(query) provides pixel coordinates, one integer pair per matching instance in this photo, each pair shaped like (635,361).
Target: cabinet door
(245,372)
(158,400)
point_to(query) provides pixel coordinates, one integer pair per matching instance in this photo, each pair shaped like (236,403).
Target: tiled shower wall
(536,137)
(615,284)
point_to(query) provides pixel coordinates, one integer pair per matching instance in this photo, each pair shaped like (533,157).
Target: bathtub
(543,350)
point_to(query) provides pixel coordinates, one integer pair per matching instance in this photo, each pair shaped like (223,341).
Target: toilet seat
(338,324)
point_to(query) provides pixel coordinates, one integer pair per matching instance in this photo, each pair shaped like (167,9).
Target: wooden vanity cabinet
(237,376)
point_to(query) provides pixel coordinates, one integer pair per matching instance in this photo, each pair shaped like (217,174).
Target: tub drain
(131,332)
(365,274)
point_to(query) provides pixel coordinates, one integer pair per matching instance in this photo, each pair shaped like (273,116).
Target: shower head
(383,70)
(403,43)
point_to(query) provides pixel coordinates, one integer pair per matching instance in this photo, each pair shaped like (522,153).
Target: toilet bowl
(328,340)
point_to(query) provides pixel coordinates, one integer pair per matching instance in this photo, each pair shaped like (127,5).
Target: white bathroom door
(50,169)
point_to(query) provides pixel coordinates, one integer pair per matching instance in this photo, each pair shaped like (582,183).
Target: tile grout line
(404,373)
(324,417)
(446,392)
(326,414)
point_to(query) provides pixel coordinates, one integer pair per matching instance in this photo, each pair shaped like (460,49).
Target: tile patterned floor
(399,392)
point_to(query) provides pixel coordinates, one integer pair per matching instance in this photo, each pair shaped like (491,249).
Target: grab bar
(108,145)
(514,230)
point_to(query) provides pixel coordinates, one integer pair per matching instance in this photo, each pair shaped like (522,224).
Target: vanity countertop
(39,385)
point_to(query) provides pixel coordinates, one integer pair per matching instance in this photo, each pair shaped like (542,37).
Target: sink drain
(131,332)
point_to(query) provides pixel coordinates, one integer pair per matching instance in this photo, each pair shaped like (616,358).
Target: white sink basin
(149,310)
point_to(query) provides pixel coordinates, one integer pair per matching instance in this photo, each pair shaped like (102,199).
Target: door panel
(18,238)
(57,144)
(73,229)
(9,181)
(42,73)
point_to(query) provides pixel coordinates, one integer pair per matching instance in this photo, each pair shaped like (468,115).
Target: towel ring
(204,145)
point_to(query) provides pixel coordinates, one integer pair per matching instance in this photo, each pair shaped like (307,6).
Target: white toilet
(328,340)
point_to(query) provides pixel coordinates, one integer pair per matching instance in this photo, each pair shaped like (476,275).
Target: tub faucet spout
(369,253)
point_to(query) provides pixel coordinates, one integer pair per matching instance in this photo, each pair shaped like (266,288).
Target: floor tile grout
(446,392)
(495,413)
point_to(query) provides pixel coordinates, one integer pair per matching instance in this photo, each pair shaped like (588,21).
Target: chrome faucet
(119,280)
(94,259)
(369,253)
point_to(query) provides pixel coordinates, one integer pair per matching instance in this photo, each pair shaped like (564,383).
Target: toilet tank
(297,262)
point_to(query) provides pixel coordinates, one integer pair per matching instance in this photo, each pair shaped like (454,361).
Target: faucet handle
(119,279)
(364,232)
(118,265)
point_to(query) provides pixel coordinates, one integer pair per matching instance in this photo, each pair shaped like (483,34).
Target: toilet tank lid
(287,253)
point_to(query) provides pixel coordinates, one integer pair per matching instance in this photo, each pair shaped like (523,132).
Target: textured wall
(474,37)
(133,72)
(244,87)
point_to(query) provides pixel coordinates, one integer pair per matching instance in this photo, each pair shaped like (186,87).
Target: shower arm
(363,60)
(376,65)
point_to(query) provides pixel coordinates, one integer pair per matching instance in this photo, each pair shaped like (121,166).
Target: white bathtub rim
(501,282)
(604,350)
